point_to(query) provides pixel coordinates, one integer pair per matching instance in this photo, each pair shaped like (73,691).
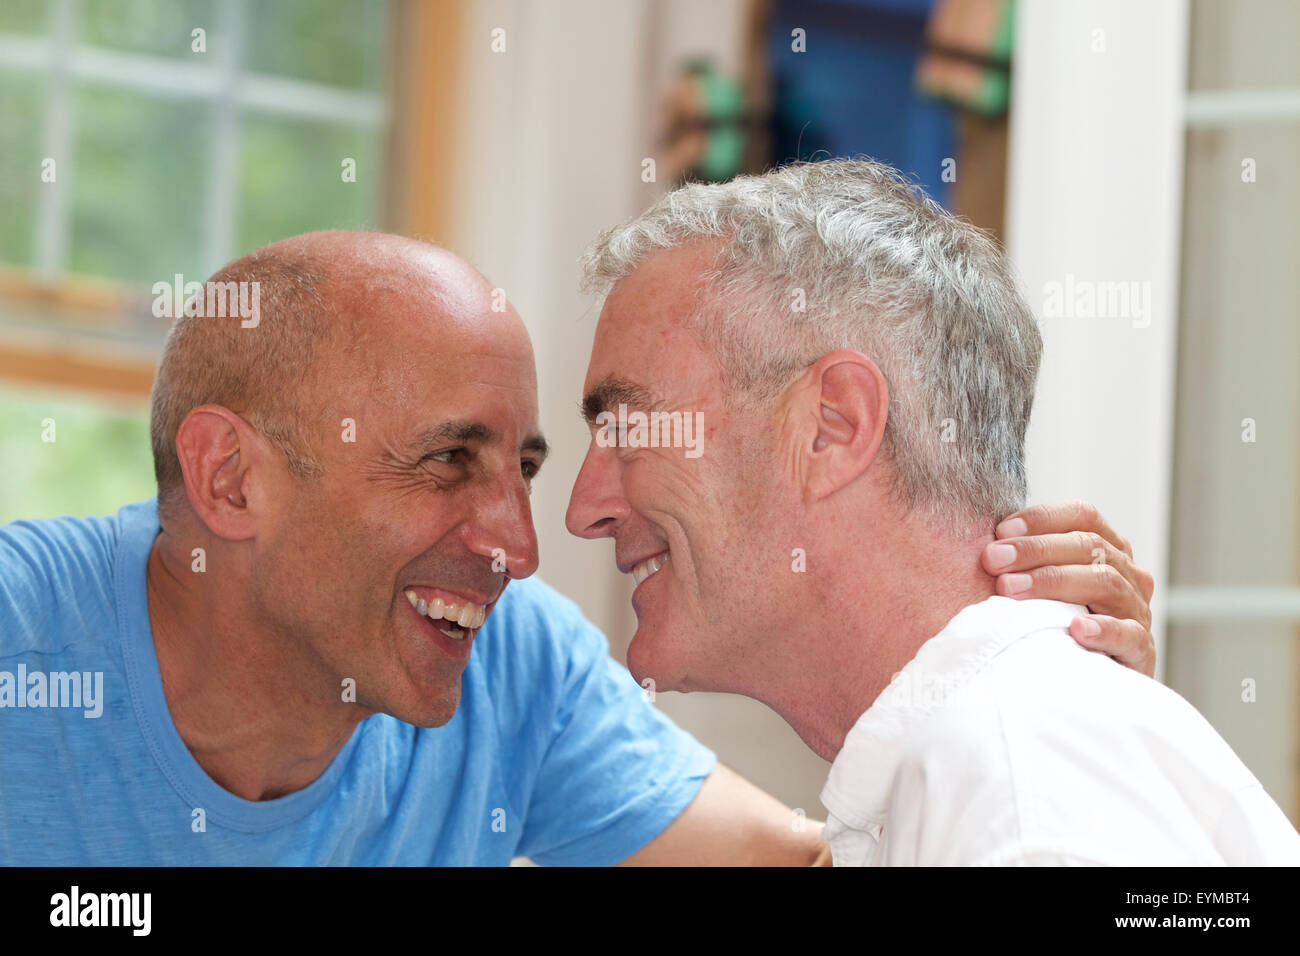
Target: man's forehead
(481,389)
(647,328)
(670,280)
(410,342)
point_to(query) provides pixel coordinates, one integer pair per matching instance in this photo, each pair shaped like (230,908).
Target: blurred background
(1114,148)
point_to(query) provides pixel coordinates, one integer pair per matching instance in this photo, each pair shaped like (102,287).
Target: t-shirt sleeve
(616,771)
(55,579)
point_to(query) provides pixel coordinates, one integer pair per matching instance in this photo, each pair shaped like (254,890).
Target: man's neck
(883,600)
(240,698)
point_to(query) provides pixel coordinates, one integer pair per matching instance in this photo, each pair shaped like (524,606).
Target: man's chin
(426,712)
(431,719)
(653,665)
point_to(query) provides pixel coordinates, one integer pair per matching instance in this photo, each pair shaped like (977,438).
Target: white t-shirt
(1004,742)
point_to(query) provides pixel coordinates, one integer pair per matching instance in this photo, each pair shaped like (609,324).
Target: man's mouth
(643,569)
(462,619)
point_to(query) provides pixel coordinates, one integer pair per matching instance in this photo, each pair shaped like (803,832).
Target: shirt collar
(862,775)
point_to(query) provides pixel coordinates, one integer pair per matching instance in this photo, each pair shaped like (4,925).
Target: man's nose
(503,531)
(597,505)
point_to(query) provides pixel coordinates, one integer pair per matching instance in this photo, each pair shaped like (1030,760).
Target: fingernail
(1088,626)
(1013,528)
(1000,555)
(1015,583)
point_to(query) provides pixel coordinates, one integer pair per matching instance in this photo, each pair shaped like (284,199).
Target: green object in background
(100,458)
(996,94)
(724,110)
(970,71)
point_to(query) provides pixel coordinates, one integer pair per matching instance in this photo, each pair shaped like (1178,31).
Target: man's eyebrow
(463,431)
(611,393)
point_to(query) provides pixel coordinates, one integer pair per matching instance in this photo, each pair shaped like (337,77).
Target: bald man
(316,645)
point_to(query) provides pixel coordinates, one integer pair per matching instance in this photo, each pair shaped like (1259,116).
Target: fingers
(1064,517)
(1066,551)
(1074,547)
(1101,587)
(1059,517)
(1126,641)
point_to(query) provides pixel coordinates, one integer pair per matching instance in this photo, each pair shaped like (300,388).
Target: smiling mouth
(648,567)
(461,619)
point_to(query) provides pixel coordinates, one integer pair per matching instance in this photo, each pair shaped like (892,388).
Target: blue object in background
(853,91)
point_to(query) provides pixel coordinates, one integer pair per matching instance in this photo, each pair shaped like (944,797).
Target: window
(183,133)
(146,138)
(1234,600)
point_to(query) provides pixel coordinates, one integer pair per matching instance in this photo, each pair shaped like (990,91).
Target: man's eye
(449,457)
(530,468)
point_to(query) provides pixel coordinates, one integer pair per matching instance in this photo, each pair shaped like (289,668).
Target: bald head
(367,445)
(317,296)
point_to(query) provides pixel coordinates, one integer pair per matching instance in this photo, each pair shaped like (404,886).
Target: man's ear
(217,450)
(847,404)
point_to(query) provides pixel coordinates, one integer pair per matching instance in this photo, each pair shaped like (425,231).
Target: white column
(1095,191)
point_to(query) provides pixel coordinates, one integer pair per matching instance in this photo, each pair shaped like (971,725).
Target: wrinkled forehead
(647,325)
(647,350)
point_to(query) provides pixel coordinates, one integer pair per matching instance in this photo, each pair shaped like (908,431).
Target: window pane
(1235,512)
(1245,44)
(139,206)
(339,42)
(158,27)
(290,178)
(99,460)
(21,133)
(1236,515)
(24,16)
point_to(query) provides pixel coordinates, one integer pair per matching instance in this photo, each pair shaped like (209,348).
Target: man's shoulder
(532,617)
(535,600)
(535,642)
(52,571)
(1045,700)
(1057,746)
(48,542)
(1050,676)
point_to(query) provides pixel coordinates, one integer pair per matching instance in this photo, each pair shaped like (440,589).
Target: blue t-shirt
(553,754)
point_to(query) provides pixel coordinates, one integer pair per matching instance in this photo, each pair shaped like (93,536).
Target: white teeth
(648,567)
(463,616)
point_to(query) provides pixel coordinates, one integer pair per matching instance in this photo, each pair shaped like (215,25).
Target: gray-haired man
(864,367)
